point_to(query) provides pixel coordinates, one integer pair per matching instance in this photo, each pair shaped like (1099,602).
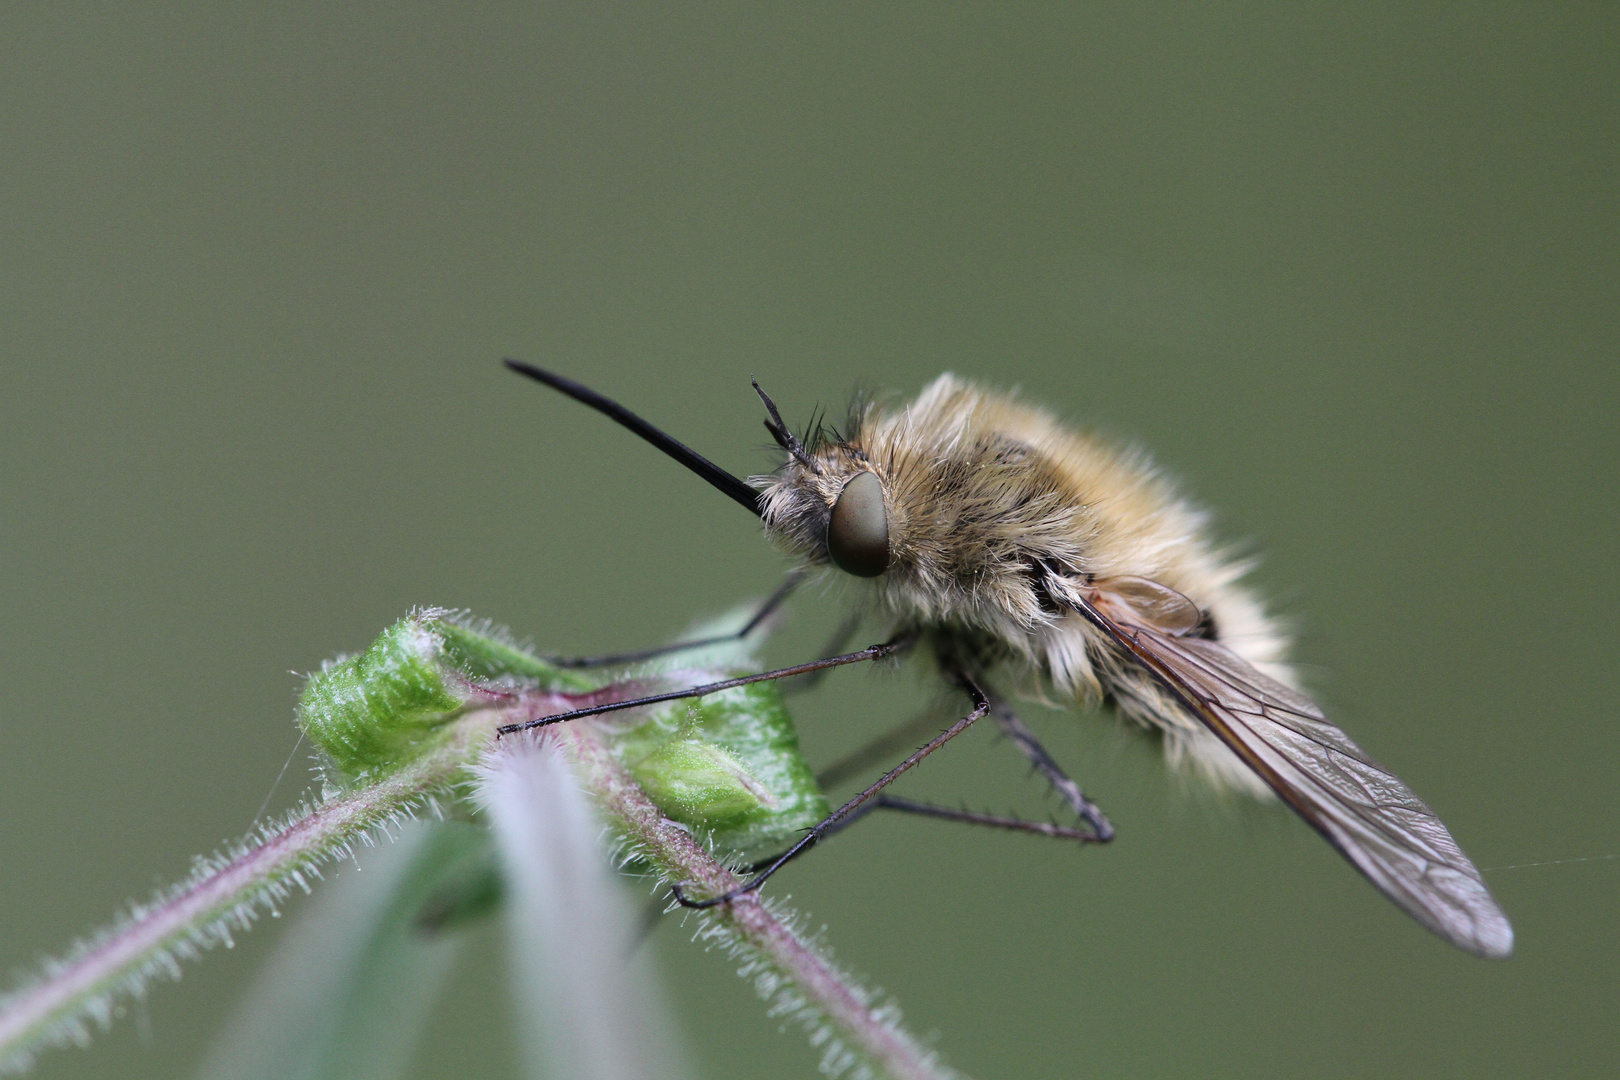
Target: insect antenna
(708,470)
(785,438)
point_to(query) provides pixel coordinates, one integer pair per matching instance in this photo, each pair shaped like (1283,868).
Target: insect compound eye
(858,531)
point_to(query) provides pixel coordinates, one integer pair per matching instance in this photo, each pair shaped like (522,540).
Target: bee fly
(1010,547)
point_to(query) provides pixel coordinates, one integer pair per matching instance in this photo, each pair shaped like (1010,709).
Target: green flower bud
(728,764)
(373,712)
(698,783)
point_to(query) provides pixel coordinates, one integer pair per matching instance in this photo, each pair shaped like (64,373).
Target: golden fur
(985,497)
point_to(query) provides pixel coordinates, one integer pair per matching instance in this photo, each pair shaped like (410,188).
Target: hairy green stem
(842,1016)
(859,1034)
(219,897)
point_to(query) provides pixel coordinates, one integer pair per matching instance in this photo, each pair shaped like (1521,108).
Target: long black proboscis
(714,474)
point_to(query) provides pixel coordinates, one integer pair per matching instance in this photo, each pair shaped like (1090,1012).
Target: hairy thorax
(986,500)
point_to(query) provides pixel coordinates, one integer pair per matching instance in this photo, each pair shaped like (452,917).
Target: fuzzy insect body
(1019,550)
(991,507)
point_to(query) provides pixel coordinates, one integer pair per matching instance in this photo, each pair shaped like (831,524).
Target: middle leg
(855,808)
(1008,721)
(1042,762)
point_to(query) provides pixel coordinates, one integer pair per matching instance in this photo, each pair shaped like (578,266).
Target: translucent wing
(1359,806)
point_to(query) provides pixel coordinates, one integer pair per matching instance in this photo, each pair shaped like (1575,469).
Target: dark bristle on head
(858,406)
(708,470)
(817,433)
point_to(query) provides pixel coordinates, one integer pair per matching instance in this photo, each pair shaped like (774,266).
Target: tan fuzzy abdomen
(1126,520)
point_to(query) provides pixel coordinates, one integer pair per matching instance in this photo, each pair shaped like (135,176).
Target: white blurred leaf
(587,1003)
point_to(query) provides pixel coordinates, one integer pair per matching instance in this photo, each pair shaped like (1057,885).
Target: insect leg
(766,610)
(837,643)
(882,748)
(981,705)
(1043,763)
(871,652)
(948,813)
(994,821)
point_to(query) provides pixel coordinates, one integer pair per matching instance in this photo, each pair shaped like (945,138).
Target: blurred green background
(1350,271)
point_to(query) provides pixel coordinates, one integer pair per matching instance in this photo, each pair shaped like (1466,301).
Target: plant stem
(829,996)
(227,895)
(218,898)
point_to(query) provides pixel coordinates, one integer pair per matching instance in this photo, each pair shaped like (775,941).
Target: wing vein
(1358,806)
